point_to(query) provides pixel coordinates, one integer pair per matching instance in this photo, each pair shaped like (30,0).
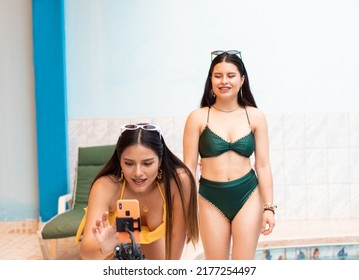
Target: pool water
(310,252)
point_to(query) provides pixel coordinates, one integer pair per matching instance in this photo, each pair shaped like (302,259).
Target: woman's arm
(190,141)
(263,168)
(99,237)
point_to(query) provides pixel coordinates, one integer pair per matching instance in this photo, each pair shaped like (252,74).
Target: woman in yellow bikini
(143,168)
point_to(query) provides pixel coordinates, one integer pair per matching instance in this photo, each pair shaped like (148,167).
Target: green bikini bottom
(228,197)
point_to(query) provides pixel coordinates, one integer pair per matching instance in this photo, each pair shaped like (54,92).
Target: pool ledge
(287,233)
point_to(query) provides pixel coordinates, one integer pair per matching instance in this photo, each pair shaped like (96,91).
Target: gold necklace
(226,111)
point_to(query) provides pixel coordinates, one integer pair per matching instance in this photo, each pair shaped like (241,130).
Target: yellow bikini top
(146,236)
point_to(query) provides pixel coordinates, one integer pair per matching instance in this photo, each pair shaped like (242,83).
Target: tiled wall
(18,227)
(314,157)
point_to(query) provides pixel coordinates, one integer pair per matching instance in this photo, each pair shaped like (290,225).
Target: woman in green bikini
(235,196)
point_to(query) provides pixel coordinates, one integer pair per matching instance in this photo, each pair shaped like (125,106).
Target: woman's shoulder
(199,111)
(184,177)
(198,115)
(182,174)
(256,117)
(255,113)
(108,182)
(253,110)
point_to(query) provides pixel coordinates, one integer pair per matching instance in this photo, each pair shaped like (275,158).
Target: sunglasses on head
(148,126)
(218,52)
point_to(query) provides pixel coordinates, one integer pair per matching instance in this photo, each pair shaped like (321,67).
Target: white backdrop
(150,58)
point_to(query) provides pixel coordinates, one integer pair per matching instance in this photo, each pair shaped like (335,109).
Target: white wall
(18,156)
(145,58)
(132,61)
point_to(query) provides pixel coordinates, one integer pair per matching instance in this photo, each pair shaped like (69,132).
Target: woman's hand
(268,222)
(106,235)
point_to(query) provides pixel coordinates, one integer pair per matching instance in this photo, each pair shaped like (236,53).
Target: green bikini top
(211,145)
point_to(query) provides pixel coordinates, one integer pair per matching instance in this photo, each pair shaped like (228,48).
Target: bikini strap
(123,188)
(159,188)
(209,108)
(247,116)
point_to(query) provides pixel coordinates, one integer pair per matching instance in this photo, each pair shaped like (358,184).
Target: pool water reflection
(310,252)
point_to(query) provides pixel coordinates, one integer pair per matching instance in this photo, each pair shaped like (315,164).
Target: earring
(241,94)
(213,94)
(159,174)
(121,177)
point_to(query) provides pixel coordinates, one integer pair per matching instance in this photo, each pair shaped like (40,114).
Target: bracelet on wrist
(269,210)
(269,207)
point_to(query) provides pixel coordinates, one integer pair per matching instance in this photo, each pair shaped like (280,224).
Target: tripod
(128,251)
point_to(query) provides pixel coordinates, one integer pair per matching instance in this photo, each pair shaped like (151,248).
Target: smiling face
(226,80)
(140,167)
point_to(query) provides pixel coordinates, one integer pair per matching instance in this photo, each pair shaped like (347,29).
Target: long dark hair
(170,164)
(247,98)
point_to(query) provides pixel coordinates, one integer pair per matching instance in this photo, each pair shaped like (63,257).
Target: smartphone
(128,211)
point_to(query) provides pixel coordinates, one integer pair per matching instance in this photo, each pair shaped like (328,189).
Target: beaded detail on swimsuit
(228,197)
(211,145)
